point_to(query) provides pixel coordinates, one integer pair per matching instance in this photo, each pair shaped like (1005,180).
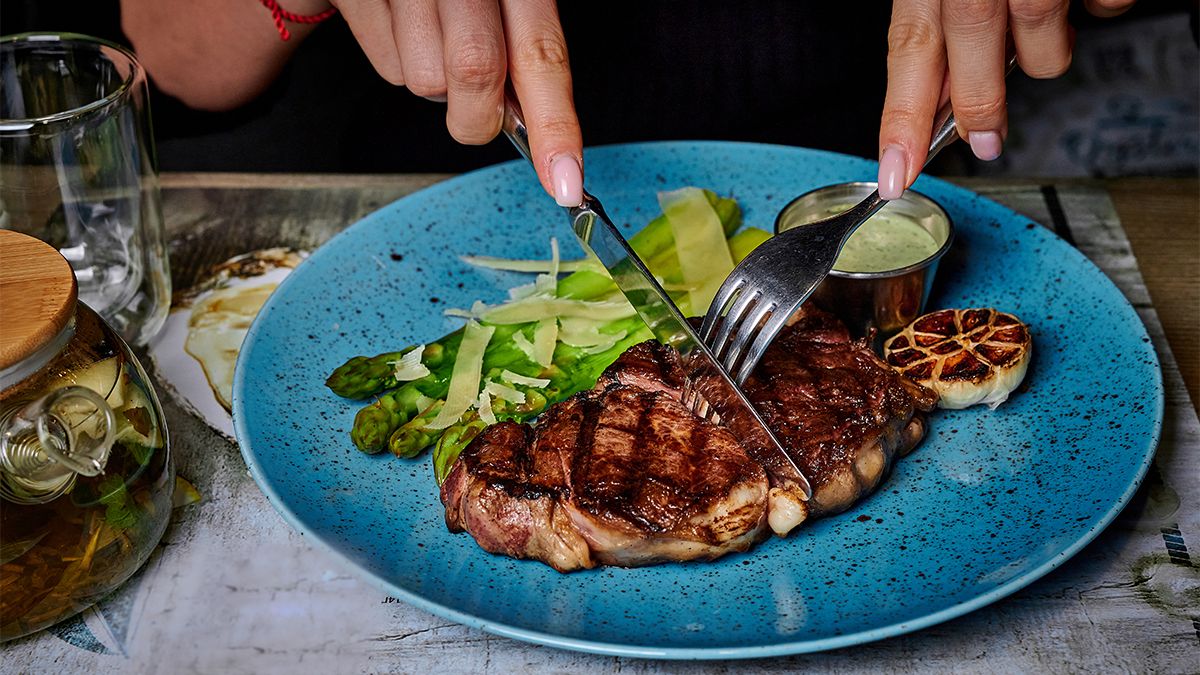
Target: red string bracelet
(280,15)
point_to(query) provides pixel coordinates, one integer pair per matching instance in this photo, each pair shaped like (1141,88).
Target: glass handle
(45,443)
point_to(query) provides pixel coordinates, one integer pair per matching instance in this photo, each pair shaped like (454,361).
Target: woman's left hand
(939,49)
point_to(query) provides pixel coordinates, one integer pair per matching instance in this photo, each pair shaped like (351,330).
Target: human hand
(462,52)
(955,49)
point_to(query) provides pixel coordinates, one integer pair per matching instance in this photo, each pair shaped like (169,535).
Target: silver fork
(771,283)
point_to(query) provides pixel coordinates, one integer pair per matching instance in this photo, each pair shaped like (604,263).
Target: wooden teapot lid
(37,295)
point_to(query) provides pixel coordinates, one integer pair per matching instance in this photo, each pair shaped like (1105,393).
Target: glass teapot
(86,477)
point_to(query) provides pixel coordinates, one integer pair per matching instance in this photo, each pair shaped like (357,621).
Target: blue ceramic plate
(990,502)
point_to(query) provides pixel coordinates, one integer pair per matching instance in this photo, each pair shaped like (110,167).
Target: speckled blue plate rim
(613,649)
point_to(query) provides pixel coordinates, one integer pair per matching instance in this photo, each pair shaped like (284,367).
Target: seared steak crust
(647,465)
(650,366)
(506,495)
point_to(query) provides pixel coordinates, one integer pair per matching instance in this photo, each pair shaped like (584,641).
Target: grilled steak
(622,476)
(625,475)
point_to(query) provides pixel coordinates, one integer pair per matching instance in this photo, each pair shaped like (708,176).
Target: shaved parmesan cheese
(548,283)
(523,291)
(483,406)
(423,402)
(604,346)
(409,367)
(504,393)
(465,376)
(586,335)
(536,382)
(477,309)
(524,345)
(578,332)
(545,337)
(536,308)
(575,325)
(699,242)
(582,338)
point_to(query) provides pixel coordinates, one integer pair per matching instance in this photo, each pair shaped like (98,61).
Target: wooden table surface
(1161,217)
(234,589)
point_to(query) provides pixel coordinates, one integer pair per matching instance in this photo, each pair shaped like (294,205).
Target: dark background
(779,71)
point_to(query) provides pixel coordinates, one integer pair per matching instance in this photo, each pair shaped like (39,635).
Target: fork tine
(692,399)
(717,309)
(762,339)
(689,395)
(720,342)
(749,332)
(697,404)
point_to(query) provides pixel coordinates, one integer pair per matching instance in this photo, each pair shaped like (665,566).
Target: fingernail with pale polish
(985,144)
(567,179)
(892,172)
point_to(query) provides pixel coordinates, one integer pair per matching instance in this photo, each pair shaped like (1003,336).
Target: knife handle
(513,125)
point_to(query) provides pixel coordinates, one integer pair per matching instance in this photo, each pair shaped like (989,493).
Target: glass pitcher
(86,477)
(77,170)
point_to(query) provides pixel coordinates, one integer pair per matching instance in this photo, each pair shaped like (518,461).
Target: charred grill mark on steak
(652,464)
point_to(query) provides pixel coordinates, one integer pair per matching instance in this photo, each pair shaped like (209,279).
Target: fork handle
(945,129)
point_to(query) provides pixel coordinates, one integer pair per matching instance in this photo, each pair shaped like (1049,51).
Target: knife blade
(704,373)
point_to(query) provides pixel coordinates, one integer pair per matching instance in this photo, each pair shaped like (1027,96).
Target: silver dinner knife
(704,373)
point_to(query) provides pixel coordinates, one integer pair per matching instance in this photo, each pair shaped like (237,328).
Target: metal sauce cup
(883,302)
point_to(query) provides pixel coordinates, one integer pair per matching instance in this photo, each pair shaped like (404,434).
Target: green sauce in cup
(887,241)
(883,276)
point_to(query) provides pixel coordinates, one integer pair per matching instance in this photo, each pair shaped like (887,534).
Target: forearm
(212,54)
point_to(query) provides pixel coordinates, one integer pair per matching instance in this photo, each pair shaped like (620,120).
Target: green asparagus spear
(452,443)
(582,373)
(362,376)
(573,370)
(412,437)
(376,422)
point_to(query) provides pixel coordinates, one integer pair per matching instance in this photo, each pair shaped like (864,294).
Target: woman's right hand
(462,52)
